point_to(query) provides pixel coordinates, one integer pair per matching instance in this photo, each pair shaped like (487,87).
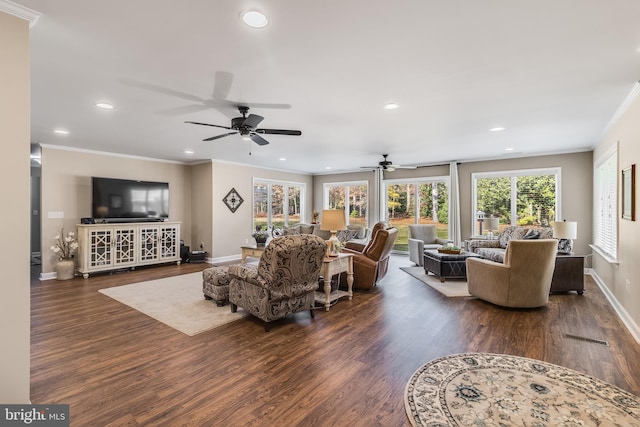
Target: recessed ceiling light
(496,129)
(391,106)
(282,159)
(188,151)
(254,19)
(327,167)
(509,149)
(61,131)
(104,106)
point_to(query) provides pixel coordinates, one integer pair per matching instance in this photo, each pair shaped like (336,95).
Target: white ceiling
(553,73)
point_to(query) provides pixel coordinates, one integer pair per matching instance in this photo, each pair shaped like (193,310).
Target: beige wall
(66,187)
(14,193)
(622,280)
(231,230)
(576,187)
(202,207)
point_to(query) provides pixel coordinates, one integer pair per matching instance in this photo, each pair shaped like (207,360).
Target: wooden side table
(568,274)
(331,266)
(252,251)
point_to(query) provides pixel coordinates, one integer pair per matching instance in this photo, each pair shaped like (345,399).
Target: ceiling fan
(387,165)
(246,126)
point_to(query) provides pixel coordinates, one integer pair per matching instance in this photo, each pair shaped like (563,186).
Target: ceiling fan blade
(404,167)
(207,124)
(219,136)
(252,121)
(258,139)
(278,132)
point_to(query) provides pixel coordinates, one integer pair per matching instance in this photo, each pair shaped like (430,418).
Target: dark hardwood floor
(115,366)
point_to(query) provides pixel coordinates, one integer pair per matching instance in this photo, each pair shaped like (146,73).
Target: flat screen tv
(122,200)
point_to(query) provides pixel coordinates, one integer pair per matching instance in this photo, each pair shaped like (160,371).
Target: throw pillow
(532,234)
(346,235)
(289,231)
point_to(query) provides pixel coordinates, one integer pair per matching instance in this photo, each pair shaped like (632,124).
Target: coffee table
(447,266)
(252,251)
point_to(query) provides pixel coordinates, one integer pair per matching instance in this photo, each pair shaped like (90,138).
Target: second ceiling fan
(387,165)
(246,126)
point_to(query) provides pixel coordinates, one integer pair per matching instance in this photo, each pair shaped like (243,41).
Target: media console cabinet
(104,247)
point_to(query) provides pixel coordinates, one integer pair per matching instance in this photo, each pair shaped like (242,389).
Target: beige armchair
(421,237)
(523,281)
(284,280)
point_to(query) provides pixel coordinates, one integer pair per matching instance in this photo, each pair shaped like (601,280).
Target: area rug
(450,288)
(499,390)
(176,301)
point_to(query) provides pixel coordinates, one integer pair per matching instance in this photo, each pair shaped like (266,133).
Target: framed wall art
(233,200)
(629,193)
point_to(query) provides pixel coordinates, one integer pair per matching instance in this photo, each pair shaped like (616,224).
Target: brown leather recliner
(371,261)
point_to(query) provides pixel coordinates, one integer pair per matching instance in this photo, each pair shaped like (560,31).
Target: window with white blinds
(605,198)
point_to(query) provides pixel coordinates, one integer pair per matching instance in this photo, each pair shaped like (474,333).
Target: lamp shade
(492,223)
(565,230)
(333,220)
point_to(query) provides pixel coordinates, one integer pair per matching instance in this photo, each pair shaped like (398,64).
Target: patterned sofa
(494,250)
(353,233)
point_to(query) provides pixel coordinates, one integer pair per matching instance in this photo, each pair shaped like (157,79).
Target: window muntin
(524,198)
(277,204)
(423,201)
(349,196)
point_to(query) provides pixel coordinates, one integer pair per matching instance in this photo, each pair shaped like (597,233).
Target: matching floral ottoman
(215,284)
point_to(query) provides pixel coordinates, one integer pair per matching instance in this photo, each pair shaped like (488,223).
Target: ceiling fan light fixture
(255,19)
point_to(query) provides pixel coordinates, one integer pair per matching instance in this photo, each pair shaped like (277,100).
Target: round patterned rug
(482,389)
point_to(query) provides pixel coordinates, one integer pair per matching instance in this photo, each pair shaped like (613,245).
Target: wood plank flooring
(348,367)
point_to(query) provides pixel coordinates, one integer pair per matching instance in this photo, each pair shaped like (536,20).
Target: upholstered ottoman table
(215,284)
(447,266)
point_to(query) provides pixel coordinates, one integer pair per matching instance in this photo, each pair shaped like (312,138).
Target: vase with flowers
(65,247)
(261,236)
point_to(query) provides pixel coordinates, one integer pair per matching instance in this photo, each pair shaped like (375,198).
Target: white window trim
(325,195)
(611,153)
(557,171)
(431,179)
(286,184)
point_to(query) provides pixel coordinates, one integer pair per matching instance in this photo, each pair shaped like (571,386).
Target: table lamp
(332,220)
(491,224)
(565,231)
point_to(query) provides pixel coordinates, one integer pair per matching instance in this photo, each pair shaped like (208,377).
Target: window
(277,204)
(349,196)
(524,198)
(424,201)
(605,202)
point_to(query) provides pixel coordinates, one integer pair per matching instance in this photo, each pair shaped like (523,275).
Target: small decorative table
(252,251)
(343,263)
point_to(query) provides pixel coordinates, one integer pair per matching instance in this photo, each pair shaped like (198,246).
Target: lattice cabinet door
(100,248)
(169,241)
(125,246)
(149,243)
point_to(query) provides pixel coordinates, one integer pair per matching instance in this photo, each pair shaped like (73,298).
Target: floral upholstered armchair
(283,282)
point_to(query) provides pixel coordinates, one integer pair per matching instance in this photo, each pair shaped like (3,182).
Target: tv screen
(122,199)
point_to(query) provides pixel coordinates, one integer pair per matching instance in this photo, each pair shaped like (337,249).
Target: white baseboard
(48,276)
(228,258)
(628,321)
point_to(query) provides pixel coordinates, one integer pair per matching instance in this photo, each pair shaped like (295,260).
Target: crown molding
(20,11)
(623,107)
